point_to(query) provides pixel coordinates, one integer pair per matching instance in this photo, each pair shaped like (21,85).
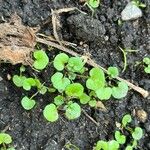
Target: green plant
(138,3)
(146,62)
(67,84)
(92,4)
(41,59)
(120,139)
(5,139)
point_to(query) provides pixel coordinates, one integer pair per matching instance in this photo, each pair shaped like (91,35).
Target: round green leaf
(113,145)
(50,113)
(121,139)
(92,103)
(74,90)
(94,3)
(120,91)
(104,93)
(60,60)
(84,98)
(138,133)
(113,72)
(126,119)
(75,64)
(73,111)
(59,82)
(101,145)
(27,103)
(147,69)
(5,138)
(18,80)
(59,100)
(41,61)
(129,147)
(96,79)
(146,60)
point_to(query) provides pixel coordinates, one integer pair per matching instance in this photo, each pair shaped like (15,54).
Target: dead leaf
(16,41)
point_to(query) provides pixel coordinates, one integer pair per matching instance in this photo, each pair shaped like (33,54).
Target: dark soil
(102,35)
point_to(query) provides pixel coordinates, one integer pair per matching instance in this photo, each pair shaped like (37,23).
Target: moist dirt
(101,36)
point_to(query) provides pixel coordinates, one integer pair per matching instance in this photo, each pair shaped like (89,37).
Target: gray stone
(131,12)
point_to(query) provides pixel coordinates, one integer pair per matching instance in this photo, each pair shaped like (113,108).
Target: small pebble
(142,115)
(131,12)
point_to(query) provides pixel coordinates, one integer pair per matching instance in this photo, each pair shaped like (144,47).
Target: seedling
(120,139)
(113,72)
(138,3)
(41,61)
(92,4)
(50,112)
(5,139)
(125,51)
(73,110)
(27,103)
(146,62)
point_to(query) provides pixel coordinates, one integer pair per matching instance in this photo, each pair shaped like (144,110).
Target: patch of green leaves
(50,112)
(18,80)
(27,103)
(41,61)
(60,61)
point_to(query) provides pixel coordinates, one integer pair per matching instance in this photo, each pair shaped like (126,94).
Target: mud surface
(102,35)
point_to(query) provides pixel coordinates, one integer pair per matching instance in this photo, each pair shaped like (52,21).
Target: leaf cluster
(146,62)
(120,139)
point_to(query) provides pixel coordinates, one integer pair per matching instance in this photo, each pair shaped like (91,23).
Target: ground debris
(16,41)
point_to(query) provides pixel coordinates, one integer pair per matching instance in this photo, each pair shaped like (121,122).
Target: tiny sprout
(73,111)
(113,72)
(146,61)
(138,133)
(59,100)
(59,82)
(27,103)
(121,139)
(84,98)
(120,91)
(104,93)
(74,90)
(113,145)
(129,147)
(41,61)
(126,119)
(96,79)
(50,113)
(93,3)
(60,60)
(92,103)
(5,138)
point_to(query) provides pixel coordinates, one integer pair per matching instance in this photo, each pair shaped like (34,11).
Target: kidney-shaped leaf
(50,113)
(5,138)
